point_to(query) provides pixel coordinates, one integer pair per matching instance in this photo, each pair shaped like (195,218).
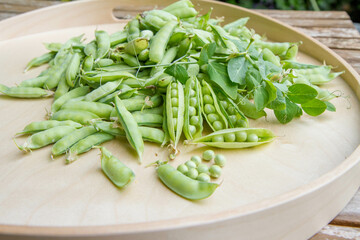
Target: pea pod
(102,91)
(24,92)
(39,126)
(106,76)
(133,29)
(118,37)
(118,173)
(46,137)
(34,82)
(148,119)
(73,69)
(193,122)
(55,72)
(62,87)
(184,186)
(236,138)
(148,134)
(159,42)
(79,116)
(175,108)
(38,61)
(87,144)
(135,46)
(211,108)
(142,103)
(318,75)
(77,92)
(103,44)
(100,109)
(70,139)
(131,128)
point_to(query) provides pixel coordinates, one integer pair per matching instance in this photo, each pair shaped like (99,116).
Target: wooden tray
(288,189)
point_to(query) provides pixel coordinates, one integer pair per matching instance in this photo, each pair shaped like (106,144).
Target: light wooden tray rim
(351,163)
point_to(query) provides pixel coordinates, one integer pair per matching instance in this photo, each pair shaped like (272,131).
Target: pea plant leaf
(253,78)
(314,107)
(218,75)
(237,68)
(203,20)
(179,72)
(206,53)
(286,115)
(271,90)
(330,107)
(301,93)
(218,35)
(279,103)
(261,97)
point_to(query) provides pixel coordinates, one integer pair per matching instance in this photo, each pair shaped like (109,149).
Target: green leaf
(314,107)
(261,97)
(203,20)
(216,30)
(281,87)
(271,89)
(241,45)
(291,110)
(179,72)
(218,75)
(237,68)
(279,103)
(330,107)
(253,78)
(301,93)
(206,53)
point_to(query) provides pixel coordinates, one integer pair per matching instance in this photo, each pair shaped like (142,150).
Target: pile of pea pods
(169,72)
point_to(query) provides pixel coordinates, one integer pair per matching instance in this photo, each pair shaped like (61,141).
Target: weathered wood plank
(333,23)
(332,232)
(4,15)
(351,56)
(280,14)
(341,43)
(350,215)
(330,32)
(21,6)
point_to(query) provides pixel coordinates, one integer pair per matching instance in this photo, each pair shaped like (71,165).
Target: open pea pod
(175,111)
(193,122)
(211,109)
(235,117)
(236,138)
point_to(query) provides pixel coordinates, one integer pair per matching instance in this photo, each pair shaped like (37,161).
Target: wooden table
(334,29)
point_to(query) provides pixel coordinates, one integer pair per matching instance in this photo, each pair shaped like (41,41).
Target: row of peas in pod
(169,72)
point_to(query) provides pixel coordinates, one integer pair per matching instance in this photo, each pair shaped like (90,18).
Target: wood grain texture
(334,29)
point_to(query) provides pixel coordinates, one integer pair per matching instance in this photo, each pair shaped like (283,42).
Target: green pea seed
(174,102)
(174,85)
(193,102)
(194,120)
(192,173)
(203,168)
(192,129)
(217,125)
(215,171)
(192,93)
(218,138)
(252,137)
(231,110)
(174,93)
(183,168)
(205,90)
(175,111)
(208,108)
(208,155)
(220,160)
(190,164)
(230,137)
(196,160)
(208,99)
(224,104)
(192,111)
(241,136)
(203,177)
(233,119)
(241,123)
(175,122)
(212,117)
